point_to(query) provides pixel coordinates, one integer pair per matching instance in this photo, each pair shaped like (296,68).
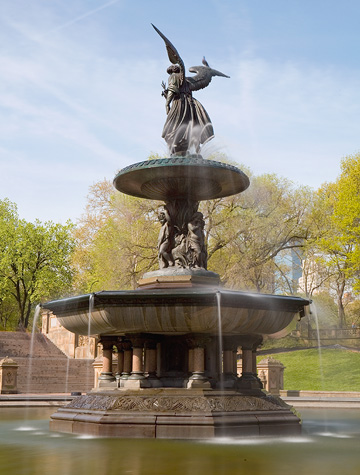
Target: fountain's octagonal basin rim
(175,297)
(176,312)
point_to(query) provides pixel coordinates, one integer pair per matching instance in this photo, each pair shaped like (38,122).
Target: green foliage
(284,342)
(249,237)
(248,234)
(245,234)
(336,247)
(34,264)
(353,313)
(339,370)
(326,310)
(116,240)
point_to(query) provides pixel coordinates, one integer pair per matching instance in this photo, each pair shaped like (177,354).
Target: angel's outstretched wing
(203,76)
(173,54)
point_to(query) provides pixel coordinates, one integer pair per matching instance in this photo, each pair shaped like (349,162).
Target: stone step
(45,369)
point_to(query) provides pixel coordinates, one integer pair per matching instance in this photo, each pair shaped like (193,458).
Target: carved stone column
(191,360)
(137,378)
(106,377)
(229,376)
(120,361)
(257,343)
(249,379)
(127,364)
(151,362)
(197,344)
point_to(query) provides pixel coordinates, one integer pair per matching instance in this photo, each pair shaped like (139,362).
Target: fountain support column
(127,364)
(137,378)
(120,361)
(249,379)
(106,377)
(229,378)
(197,344)
(191,360)
(151,362)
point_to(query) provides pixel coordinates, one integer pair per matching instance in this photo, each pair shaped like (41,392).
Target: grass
(340,370)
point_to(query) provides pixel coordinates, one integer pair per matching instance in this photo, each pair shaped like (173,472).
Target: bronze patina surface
(190,177)
(187,125)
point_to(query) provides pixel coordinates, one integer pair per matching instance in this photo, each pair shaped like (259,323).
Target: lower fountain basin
(177,311)
(176,414)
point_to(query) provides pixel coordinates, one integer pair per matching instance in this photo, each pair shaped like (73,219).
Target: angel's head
(174,68)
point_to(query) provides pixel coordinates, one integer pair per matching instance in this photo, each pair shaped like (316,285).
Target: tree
(34,262)
(337,246)
(249,234)
(353,313)
(116,240)
(245,236)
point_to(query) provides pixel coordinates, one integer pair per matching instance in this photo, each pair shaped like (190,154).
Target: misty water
(329,445)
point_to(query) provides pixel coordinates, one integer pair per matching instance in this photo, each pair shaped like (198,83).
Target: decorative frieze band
(185,404)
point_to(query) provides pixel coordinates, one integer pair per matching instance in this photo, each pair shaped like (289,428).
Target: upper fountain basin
(189,177)
(176,311)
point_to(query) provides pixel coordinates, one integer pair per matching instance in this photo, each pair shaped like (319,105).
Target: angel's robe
(188,125)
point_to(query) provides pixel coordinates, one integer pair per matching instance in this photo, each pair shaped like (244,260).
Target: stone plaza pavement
(322,399)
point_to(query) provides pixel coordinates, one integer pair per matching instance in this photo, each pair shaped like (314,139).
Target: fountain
(178,333)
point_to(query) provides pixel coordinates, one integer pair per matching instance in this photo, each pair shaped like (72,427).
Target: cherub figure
(165,240)
(187,124)
(195,241)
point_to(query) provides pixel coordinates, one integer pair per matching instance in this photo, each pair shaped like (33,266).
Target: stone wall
(74,346)
(44,368)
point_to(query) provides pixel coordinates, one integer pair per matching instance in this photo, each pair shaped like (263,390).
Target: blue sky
(80,85)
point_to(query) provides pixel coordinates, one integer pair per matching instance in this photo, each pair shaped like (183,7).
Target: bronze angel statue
(187,125)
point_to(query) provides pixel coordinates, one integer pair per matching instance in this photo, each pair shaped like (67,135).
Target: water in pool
(330,444)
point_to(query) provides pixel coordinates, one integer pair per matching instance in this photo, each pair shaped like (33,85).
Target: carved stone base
(198,383)
(176,414)
(107,380)
(175,277)
(135,383)
(249,381)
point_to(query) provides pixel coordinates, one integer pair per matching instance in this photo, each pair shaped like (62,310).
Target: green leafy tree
(245,235)
(116,240)
(34,262)
(338,242)
(248,235)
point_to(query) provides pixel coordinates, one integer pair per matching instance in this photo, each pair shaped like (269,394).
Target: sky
(80,90)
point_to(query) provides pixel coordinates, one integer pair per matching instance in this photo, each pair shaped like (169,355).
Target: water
(35,451)
(31,351)
(89,374)
(314,313)
(68,365)
(220,361)
(91,308)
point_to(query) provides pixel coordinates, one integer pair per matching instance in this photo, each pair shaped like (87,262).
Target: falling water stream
(91,309)
(324,413)
(316,319)
(30,363)
(220,341)
(68,364)
(32,343)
